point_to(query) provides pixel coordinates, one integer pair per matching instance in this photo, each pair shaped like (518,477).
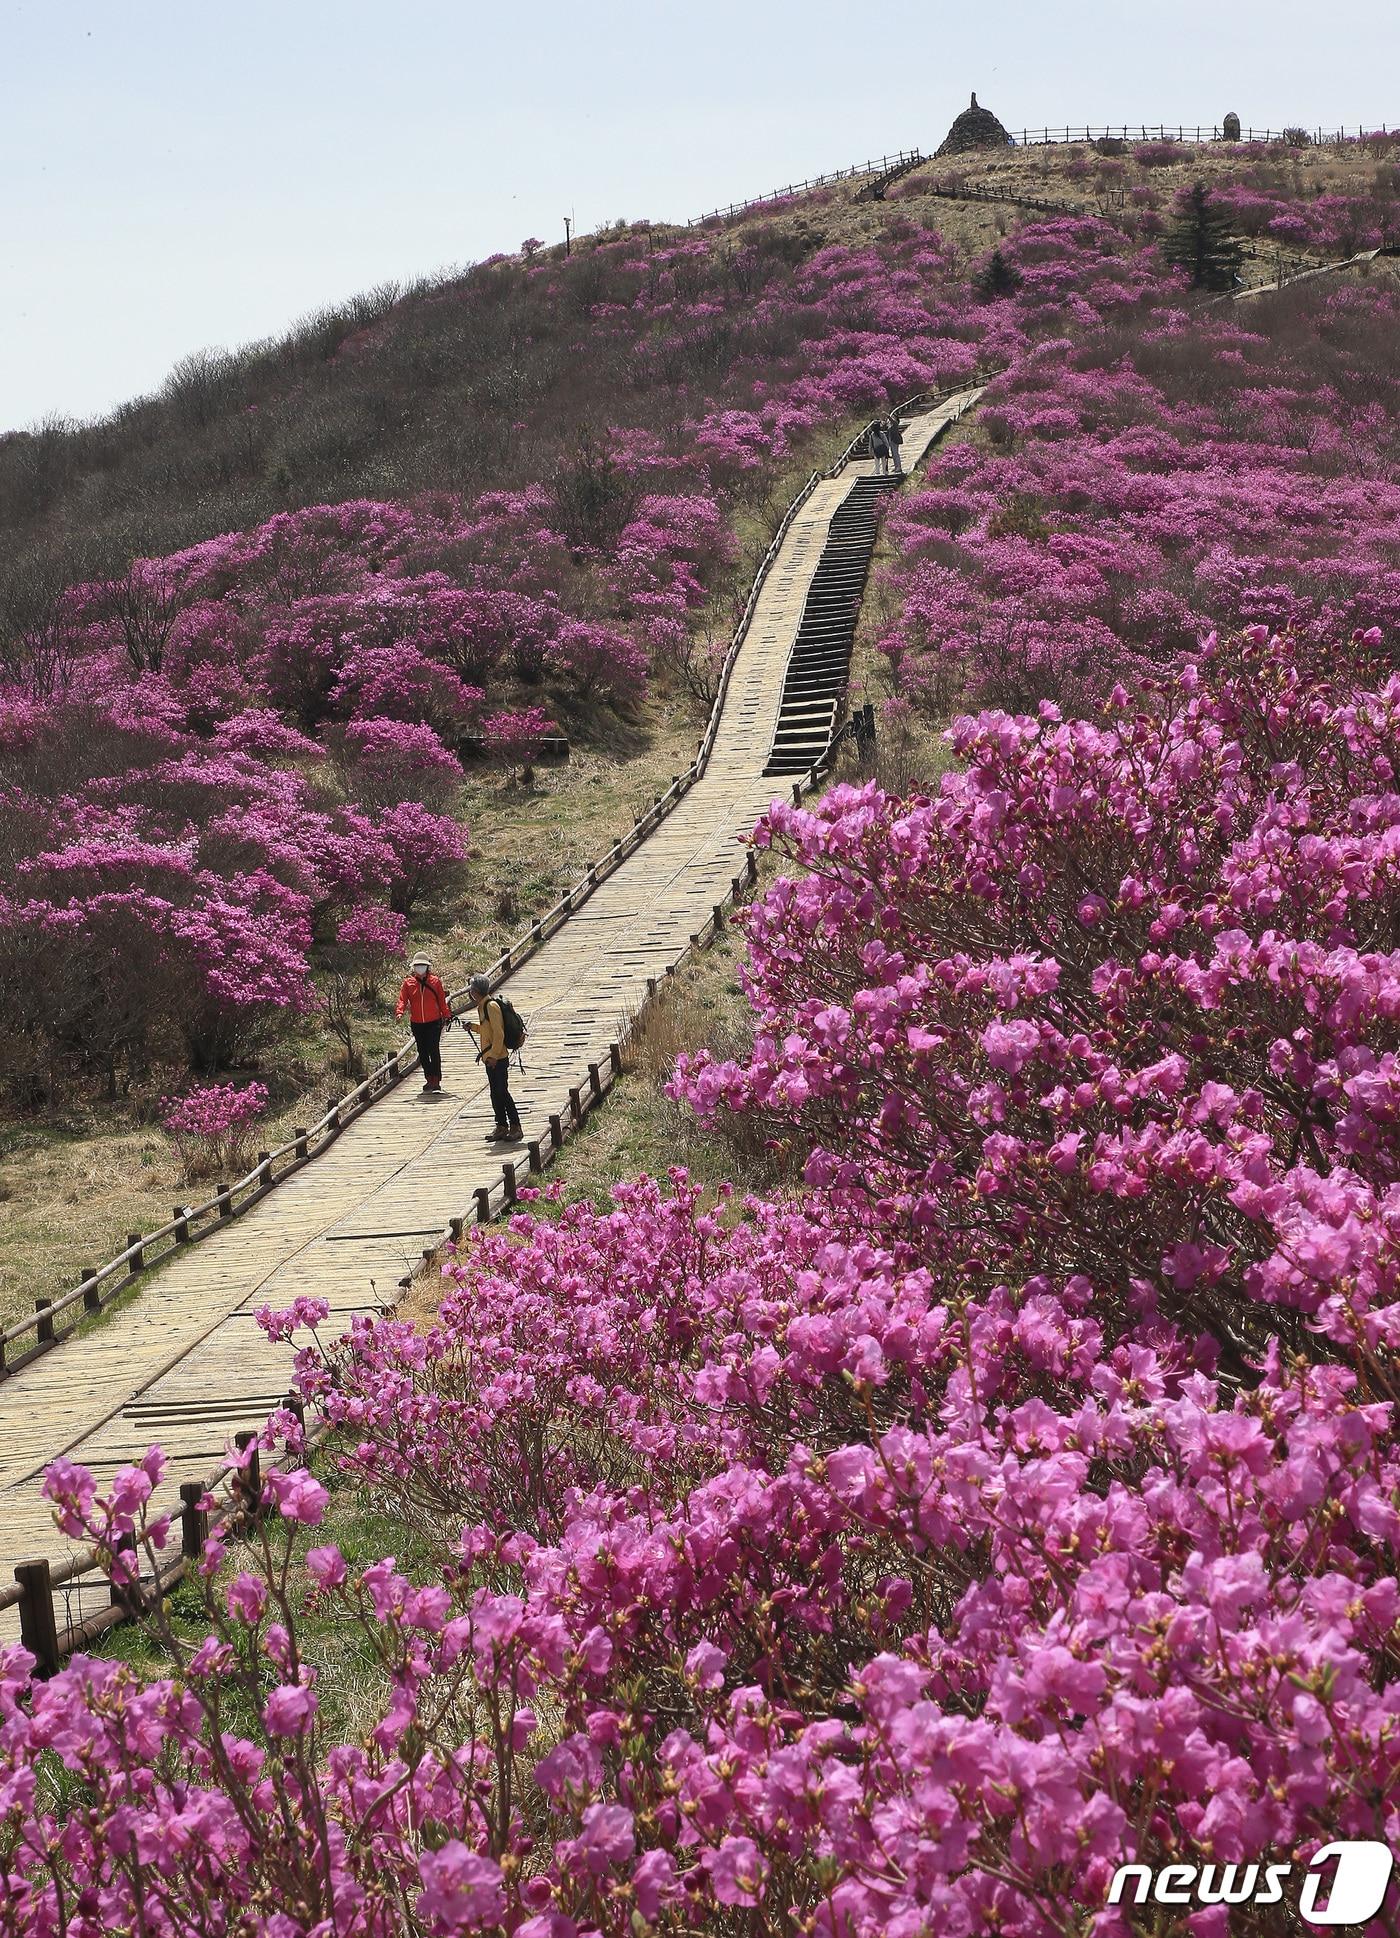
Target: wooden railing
(1188,137)
(892,166)
(235,1492)
(54,1319)
(909,156)
(982,192)
(874,190)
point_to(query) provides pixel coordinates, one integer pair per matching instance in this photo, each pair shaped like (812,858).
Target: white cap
(425,960)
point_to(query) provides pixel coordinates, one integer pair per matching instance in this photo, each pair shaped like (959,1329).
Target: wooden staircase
(815,687)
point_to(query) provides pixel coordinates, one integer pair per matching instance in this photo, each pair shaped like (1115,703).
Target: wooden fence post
(138,1256)
(556,1132)
(483,1204)
(225,1200)
(194,1521)
(508,1180)
(595,1082)
(302,1135)
(249,1480)
(37,1628)
(615,1058)
(92,1295)
(127,1595)
(44,1330)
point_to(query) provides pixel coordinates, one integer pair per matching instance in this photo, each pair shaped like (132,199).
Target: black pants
(498,1076)
(428,1037)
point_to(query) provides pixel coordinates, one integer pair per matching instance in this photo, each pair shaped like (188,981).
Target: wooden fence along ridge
(906,158)
(1190,137)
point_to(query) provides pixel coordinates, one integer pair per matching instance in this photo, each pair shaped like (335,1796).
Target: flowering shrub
(427,852)
(515,739)
(1019,1499)
(1020,1502)
(1159,154)
(210,1126)
(389,761)
(1135,494)
(199,693)
(371,941)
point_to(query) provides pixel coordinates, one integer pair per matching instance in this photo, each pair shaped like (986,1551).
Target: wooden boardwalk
(184,1364)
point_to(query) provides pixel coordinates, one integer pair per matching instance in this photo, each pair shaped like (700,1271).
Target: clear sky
(177,177)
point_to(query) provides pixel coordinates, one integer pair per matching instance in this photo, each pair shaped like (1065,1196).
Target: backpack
(512,1023)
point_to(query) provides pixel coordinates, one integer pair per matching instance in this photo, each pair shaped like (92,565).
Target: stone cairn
(975,128)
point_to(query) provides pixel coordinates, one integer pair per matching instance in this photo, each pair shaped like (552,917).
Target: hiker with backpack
(498,1029)
(429,1010)
(894,437)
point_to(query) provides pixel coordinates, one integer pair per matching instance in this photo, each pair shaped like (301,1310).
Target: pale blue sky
(177,177)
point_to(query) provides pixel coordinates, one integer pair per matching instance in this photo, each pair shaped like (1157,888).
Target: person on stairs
(880,447)
(489,1030)
(429,1010)
(894,437)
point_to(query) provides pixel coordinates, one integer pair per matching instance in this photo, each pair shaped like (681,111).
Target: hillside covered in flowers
(1012,1491)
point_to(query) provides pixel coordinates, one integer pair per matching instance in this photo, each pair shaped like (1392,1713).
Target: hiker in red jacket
(429,1010)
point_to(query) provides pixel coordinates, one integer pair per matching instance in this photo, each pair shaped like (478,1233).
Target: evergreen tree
(997,278)
(1201,241)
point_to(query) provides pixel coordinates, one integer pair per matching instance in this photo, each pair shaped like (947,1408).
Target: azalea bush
(1141,488)
(1018,1502)
(211,1126)
(1017,1494)
(516,739)
(372,941)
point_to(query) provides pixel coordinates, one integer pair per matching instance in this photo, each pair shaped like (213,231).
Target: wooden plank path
(183,1363)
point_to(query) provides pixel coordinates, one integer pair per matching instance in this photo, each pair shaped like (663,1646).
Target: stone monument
(974,128)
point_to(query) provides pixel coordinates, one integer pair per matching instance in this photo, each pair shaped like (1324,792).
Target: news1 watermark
(1343,1884)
